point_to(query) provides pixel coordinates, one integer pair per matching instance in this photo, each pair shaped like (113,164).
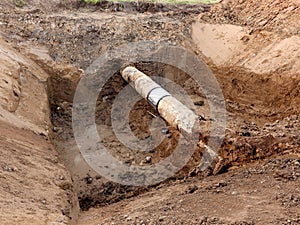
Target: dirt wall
(35,185)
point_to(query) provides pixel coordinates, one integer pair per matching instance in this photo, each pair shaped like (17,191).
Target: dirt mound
(144,7)
(276,16)
(104,6)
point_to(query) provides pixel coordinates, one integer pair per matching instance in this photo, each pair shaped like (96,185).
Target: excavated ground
(254,55)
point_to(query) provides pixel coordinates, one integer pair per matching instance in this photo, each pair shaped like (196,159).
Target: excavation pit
(255,62)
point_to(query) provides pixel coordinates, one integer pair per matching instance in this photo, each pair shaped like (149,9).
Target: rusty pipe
(169,108)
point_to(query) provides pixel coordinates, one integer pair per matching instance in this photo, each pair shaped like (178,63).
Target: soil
(252,48)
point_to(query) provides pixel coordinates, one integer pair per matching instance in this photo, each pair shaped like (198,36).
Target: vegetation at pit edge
(18,3)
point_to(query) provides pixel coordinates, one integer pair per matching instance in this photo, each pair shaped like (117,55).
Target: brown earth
(36,187)
(252,47)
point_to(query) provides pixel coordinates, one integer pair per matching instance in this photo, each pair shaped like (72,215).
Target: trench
(261,117)
(262,109)
(254,129)
(92,189)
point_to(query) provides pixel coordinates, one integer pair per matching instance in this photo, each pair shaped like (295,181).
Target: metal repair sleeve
(169,108)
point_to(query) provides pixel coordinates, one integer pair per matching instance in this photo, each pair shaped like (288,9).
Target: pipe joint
(156,95)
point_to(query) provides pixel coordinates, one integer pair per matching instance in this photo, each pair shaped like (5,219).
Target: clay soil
(252,48)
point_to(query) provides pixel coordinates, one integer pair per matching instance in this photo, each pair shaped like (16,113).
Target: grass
(162,1)
(19,3)
(185,1)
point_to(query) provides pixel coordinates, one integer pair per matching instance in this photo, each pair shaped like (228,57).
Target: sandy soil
(36,187)
(252,48)
(264,193)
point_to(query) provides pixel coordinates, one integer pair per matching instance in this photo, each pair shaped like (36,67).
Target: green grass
(162,1)
(19,3)
(185,1)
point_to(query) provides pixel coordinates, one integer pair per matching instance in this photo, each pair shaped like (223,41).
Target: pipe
(169,108)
